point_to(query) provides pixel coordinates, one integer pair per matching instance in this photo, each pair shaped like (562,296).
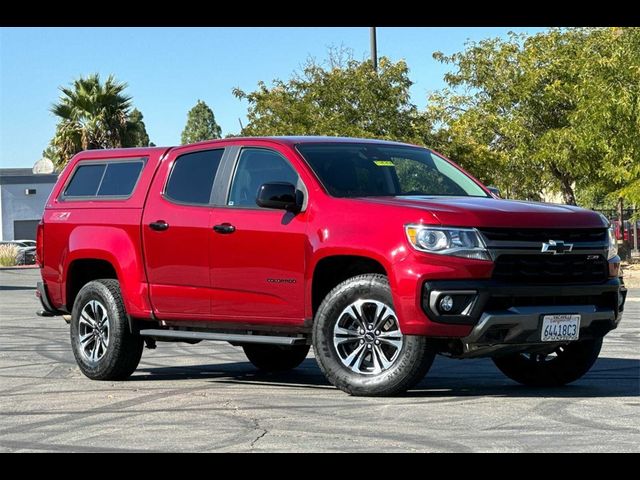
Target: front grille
(500,302)
(579,235)
(550,269)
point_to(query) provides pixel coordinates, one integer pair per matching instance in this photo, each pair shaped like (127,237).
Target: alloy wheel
(93,331)
(367,337)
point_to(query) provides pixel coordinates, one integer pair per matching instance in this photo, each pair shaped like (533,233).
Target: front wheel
(358,342)
(566,364)
(104,347)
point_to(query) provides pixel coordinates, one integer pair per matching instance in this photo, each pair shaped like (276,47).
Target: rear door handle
(224,228)
(159,225)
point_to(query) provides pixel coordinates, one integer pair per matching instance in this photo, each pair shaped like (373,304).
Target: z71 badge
(61,216)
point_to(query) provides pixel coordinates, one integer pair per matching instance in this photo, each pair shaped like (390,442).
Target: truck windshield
(366,170)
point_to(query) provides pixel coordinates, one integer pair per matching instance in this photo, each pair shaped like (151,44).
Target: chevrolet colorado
(378,254)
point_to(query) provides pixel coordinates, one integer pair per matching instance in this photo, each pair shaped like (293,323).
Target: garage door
(25,229)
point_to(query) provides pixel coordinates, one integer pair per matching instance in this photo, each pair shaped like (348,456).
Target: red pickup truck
(378,254)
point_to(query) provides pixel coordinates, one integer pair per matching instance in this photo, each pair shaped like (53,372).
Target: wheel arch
(332,269)
(82,271)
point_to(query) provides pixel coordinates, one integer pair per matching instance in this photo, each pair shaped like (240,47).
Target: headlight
(459,242)
(612,247)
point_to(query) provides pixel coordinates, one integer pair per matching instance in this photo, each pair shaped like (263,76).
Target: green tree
(608,116)
(201,124)
(52,154)
(342,97)
(92,115)
(559,111)
(509,111)
(136,131)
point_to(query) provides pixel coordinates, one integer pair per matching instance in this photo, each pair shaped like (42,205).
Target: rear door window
(192,176)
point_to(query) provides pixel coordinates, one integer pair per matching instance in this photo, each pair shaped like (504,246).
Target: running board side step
(222,337)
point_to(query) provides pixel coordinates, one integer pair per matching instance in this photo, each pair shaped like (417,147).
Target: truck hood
(491,212)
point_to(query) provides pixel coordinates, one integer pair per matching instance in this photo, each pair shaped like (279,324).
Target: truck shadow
(610,377)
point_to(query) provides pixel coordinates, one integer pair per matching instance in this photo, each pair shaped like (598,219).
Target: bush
(8,255)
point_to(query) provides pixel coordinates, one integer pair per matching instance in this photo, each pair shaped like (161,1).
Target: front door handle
(224,228)
(159,225)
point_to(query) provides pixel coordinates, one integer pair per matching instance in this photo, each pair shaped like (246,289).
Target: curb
(20,267)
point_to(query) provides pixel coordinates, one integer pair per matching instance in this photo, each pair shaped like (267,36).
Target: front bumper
(507,318)
(519,329)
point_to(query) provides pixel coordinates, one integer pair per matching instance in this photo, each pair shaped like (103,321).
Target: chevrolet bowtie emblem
(557,247)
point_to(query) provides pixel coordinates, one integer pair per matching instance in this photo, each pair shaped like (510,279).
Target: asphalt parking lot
(207,397)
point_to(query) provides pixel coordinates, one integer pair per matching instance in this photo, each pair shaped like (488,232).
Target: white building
(23,195)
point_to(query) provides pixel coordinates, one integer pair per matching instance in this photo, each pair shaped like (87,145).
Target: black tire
(122,354)
(275,358)
(411,364)
(570,363)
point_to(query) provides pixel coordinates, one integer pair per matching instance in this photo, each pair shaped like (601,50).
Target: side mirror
(495,191)
(280,196)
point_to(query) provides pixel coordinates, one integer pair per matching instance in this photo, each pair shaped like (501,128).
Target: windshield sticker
(383,163)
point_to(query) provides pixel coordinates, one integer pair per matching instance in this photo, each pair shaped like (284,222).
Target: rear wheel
(565,364)
(103,345)
(274,358)
(358,342)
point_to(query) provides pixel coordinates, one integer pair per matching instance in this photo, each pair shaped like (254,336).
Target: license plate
(560,328)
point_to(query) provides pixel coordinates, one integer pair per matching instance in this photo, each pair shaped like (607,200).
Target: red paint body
(189,272)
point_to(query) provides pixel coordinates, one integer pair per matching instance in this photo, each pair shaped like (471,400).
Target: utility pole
(374,50)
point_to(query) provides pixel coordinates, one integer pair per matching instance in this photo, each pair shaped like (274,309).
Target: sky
(169,69)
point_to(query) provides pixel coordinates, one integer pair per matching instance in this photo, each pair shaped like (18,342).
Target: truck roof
(283,140)
(297,139)
(293,140)
(101,154)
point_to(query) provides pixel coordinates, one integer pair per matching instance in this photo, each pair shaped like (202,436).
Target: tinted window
(116,178)
(120,178)
(192,176)
(255,167)
(364,170)
(85,181)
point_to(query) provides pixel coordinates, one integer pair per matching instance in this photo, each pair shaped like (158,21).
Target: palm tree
(92,115)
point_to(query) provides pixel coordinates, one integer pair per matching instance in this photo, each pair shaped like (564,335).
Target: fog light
(449,302)
(446,303)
